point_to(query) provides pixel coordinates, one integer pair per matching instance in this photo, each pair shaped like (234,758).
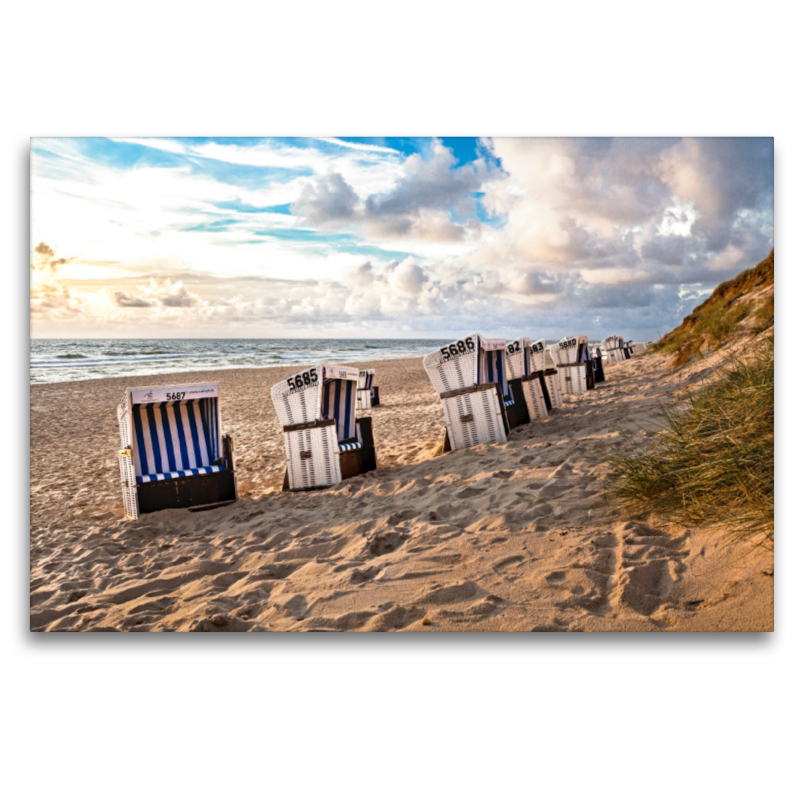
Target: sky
(389,238)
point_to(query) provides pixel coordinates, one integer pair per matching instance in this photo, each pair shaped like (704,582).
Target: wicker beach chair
(173,452)
(325,443)
(574,365)
(470,377)
(526,385)
(367,394)
(543,365)
(613,346)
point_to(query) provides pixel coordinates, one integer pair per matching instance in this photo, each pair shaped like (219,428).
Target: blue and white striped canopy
(492,369)
(173,439)
(339,403)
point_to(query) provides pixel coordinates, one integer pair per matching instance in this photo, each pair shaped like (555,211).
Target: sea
(57,360)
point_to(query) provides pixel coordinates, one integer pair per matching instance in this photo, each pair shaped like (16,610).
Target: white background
(490,716)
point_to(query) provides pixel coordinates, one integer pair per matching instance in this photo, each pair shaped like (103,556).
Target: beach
(519,536)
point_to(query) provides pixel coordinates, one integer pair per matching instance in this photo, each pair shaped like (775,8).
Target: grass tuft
(764,317)
(714,461)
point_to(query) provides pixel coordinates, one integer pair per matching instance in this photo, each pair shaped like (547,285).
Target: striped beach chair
(325,443)
(470,377)
(543,365)
(574,365)
(527,386)
(367,394)
(173,452)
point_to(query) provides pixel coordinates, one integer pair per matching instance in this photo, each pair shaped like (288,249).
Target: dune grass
(765,315)
(712,326)
(717,317)
(714,461)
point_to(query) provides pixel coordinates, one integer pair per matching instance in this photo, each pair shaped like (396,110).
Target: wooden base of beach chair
(357,462)
(599,373)
(589,374)
(210,506)
(511,416)
(193,492)
(216,488)
(521,415)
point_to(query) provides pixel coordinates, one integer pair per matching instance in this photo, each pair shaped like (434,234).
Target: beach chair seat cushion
(181,473)
(346,446)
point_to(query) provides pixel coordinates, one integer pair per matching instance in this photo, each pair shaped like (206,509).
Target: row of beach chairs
(174,454)
(489,386)
(617,349)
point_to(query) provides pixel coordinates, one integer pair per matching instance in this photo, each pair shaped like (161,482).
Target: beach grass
(713,463)
(712,327)
(715,320)
(764,316)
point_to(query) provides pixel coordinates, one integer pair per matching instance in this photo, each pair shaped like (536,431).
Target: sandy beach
(513,537)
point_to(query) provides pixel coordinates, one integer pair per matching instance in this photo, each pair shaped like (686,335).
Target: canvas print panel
(421,385)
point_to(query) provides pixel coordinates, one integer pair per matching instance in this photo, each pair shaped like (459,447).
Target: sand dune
(511,537)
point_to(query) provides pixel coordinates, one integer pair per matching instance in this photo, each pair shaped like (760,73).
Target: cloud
(407,279)
(310,235)
(326,200)
(536,283)
(44,250)
(420,205)
(43,261)
(52,301)
(362,276)
(170,294)
(661,207)
(428,183)
(125,300)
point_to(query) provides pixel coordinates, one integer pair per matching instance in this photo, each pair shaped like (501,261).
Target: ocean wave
(81,359)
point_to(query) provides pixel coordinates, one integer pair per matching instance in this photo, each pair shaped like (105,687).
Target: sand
(513,537)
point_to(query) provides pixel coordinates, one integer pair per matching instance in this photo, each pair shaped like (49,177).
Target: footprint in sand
(454,593)
(507,562)
(651,565)
(472,491)
(380,543)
